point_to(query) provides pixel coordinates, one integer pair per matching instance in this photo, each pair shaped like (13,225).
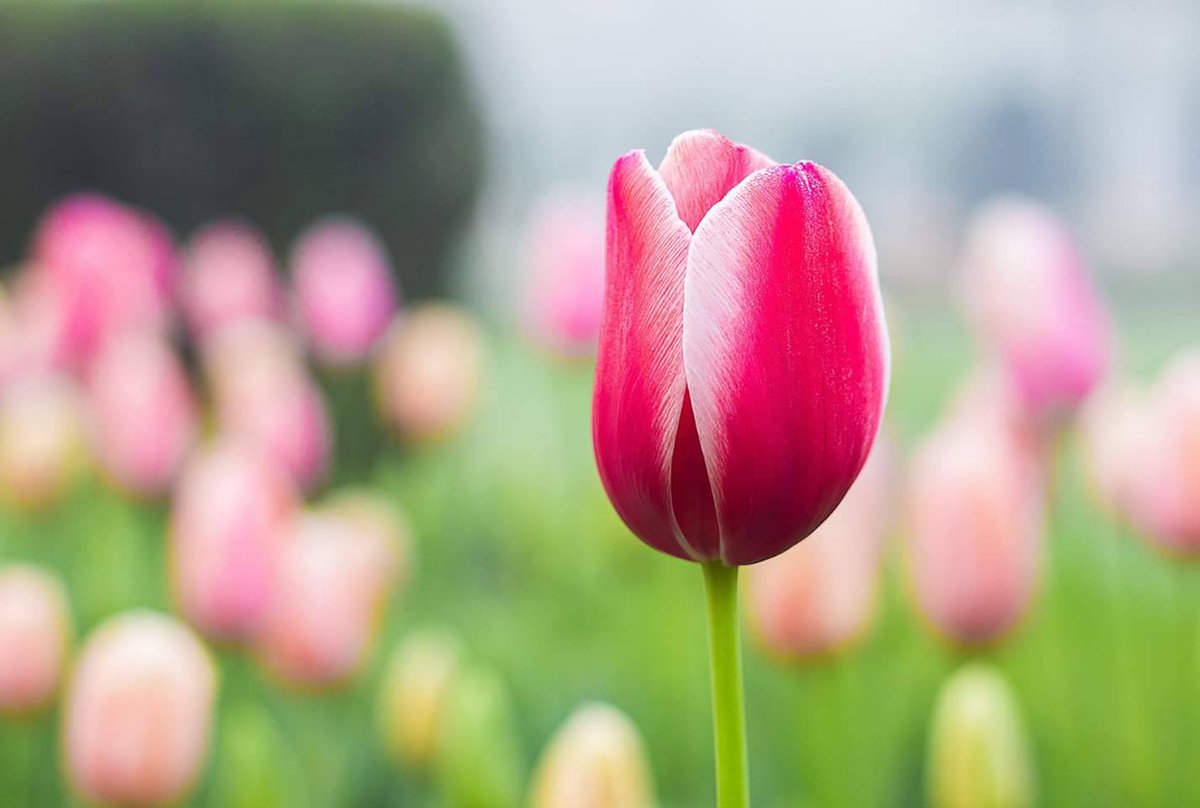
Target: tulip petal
(702,166)
(785,353)
(640,387)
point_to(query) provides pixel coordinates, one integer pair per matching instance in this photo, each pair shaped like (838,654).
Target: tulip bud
(565,286)
(139,711)
(480,762)
(416,687)
(597,760)
(333,580)
(1114,429)
(35,628)
(1164,496)
(41,440)
(345,296)
(427,373)
(229,279)
(265,398)
(1032,304)
(975,513)
(978,751)
(729,428)
(142,410)
(231,514)
(820,595)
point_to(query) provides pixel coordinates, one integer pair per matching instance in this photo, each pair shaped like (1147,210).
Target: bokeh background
(426,356)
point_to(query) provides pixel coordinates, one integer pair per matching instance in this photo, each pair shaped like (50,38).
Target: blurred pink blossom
(41,439)
(229,277)
(344,293)
(35,628)
(1114,427)
(139,711)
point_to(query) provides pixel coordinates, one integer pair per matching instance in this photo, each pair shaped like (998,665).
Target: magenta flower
(229,278)
(743,361)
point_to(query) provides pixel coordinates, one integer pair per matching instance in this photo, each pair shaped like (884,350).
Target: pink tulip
(143,414)
(974,512)
(820,595)
(1114,428)
(265,397)
(564,297)
(743,360)
(35,628)
(230,518)
(334,579)
(345,296)
(427,373)
(41,440)
(1033,305)
(1164,493)
(111,268)
(139,711)
(229,278)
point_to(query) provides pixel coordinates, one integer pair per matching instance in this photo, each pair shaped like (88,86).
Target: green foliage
(277,111)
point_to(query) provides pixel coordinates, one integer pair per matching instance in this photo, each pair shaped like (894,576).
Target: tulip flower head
(1115,428)
(564,294)
(144,418)
(974,511)
(427,373)
(1033,306)
(139,711)
(978,749)
(416,688)
(35,628)
(229,278)
(345,296)
(743,361)
(230,517)
(820,595)
(41,440)
(597,760)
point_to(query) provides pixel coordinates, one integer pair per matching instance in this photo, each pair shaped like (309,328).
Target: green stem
(729,711)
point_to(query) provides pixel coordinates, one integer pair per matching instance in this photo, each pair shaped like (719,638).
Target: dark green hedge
(278,111)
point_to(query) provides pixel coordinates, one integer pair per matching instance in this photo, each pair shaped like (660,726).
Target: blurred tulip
(144,418)
(978,750)
(41,440)
(35,628)
(229,278)
(820,595)
(975,511)
(1114,428)
(427,374)
(480,762)
(1032,303)
(416,688)
(111,267)
(729,428)
(333,583)
(139,711)
(345,296)
(1164,496)
(230,517)
(265,397)
(597,760)
(564,294)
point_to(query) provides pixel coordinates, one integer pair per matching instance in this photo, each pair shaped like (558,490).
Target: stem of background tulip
(728,698)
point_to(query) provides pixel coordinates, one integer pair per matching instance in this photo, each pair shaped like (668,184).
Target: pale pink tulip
(139,711)
(1034,307)
(564,294)
(428,372)
(35,629)
(143,414)
(334,579)
(743,362)
(230,518)
(41,440)
(820,595)
(1164,495)
(265,397)
(596,760)
(229,278)
(974,530)
(345,296)
(1114,430)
